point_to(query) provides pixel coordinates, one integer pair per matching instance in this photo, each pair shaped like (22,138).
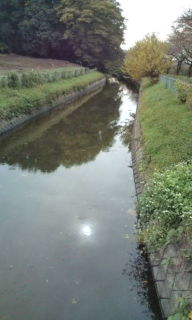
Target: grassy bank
(166,203)
(14,102)
(166,125)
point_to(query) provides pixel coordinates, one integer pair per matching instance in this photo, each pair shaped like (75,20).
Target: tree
(88,32)
(176,49)
(40,30)
(94,29)
(184,26)
(181,40)
(147,58)
(11,14)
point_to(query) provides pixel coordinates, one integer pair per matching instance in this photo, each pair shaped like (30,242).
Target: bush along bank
(20,106)
(165,205)
(33,78)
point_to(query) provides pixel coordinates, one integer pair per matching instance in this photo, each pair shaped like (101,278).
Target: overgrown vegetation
(183,310)
(183,78)
(14,101)
(34,78)
(166,204)
(4,48)
(184,92)
(89,32)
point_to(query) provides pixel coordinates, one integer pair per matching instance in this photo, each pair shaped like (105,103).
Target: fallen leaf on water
(132,212)
(190,315)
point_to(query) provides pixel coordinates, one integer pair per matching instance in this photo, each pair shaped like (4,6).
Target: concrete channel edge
(6,126)
(172,272)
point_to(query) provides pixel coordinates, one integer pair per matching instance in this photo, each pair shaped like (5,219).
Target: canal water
(68,245)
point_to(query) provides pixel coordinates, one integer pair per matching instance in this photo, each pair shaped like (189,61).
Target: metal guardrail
(170,83)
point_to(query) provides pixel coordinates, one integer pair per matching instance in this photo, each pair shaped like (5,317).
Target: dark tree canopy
(11,13)
(40,31)
(85,31)
(94,29)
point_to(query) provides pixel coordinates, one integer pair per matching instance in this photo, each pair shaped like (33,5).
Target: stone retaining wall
(7,125)
(171,269)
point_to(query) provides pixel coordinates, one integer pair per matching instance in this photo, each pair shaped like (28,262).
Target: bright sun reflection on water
(87,230)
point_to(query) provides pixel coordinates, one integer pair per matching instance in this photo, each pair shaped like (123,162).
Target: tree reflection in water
(68,140)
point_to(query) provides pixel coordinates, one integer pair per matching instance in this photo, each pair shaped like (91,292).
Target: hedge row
(34,78)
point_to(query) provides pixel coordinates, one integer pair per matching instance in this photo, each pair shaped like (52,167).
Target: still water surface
(67,217)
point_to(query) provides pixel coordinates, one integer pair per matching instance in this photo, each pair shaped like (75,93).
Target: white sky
(147,16)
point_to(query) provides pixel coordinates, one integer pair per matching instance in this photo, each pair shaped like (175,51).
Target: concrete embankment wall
(172,271)
(7,125)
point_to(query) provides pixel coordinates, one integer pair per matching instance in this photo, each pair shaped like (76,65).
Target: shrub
(3,82)
(4,48)
(77,72)
(182,311)
(82,71)
(146,83)
(63,75)
(31,79)
(184,92)
(13,80)
(165,204)
(35,78)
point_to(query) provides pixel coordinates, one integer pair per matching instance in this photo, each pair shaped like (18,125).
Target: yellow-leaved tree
(147,58)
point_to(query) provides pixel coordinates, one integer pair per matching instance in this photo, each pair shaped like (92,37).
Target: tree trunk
(190,71)
(179,64)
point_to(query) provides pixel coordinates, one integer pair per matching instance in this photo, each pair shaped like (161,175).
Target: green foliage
(182,311)
(183,78)
(4,48)
(11,14)
(93,29)
(146,83)
(165,203)
(3,82)
(184,92)
(13,80)
(14,102)
(31,27)
(147,58)
(166,126)
(35,78)
(40,31)
(31,79)
(89,32)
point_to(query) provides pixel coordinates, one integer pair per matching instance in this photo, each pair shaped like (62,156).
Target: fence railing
(169,82)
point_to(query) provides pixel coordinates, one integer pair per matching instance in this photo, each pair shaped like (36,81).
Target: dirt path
(20,63)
